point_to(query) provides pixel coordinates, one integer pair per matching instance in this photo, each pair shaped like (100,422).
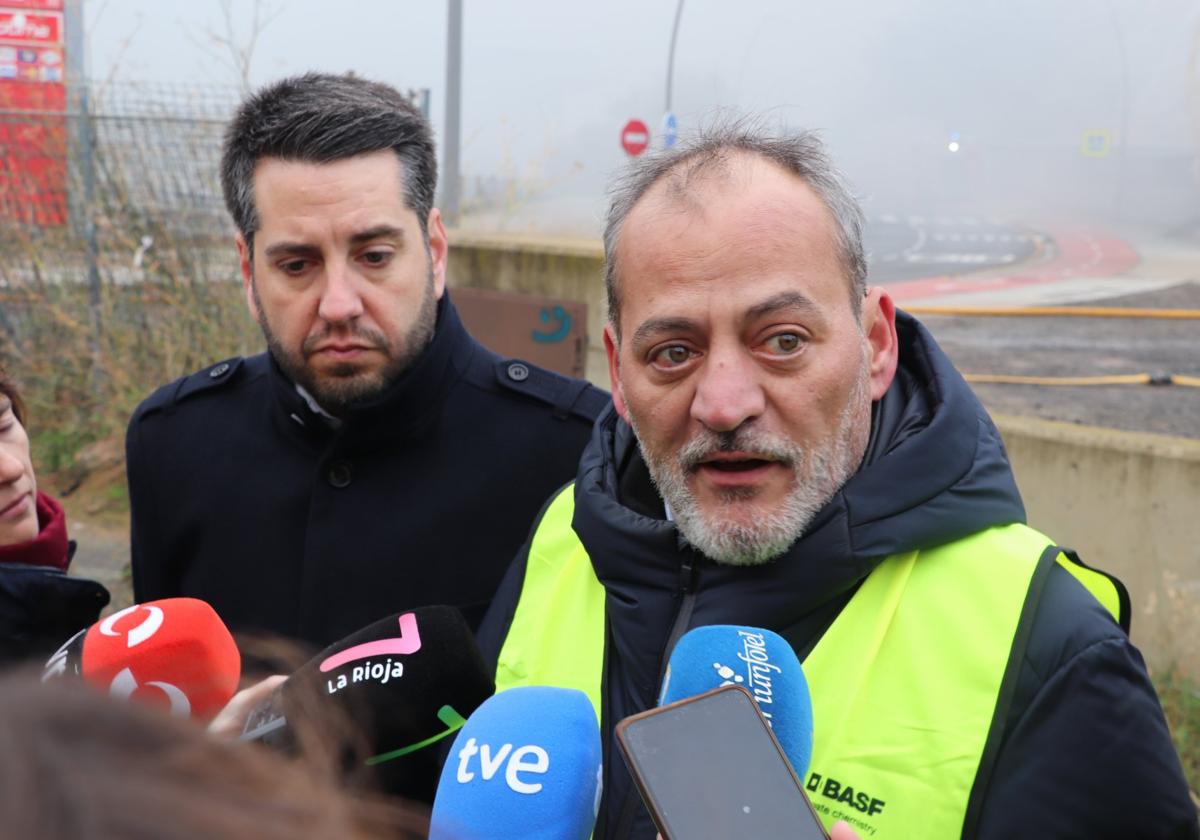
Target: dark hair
(709,150)
(321,118)
(9,389)
(77,764)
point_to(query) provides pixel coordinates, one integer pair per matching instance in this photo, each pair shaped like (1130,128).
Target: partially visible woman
(40,606)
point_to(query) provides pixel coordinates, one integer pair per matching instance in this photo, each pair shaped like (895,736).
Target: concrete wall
(559,268)
(1129,503)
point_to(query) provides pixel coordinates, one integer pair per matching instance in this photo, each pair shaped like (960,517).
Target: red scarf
(49,547)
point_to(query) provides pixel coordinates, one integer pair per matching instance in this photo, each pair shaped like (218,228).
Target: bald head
(683,180)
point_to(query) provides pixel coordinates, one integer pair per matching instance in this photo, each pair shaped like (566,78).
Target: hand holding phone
(709,768)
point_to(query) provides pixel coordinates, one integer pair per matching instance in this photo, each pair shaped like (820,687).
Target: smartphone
(709,768)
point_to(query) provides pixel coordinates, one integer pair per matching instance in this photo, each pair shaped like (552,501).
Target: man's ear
(612,348)
(246,264)
(879,330)
(439,251)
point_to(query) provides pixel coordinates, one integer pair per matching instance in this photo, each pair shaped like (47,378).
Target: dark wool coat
(243,497)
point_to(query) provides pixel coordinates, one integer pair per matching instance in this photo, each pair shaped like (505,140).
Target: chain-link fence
(117,271)
(156,150)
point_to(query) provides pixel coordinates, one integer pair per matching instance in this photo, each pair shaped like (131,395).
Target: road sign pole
(671,54)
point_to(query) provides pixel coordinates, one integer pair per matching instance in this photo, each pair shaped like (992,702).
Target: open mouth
(738,465)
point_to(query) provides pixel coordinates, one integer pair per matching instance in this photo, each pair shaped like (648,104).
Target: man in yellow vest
(787,451)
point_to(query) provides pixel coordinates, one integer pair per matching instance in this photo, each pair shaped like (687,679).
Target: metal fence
(154,151)
(117,155)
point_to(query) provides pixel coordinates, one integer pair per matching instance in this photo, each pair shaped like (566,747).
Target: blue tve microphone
(760,662)
(527,764)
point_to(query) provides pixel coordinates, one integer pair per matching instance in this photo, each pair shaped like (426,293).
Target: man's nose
(340,299)
(728,392)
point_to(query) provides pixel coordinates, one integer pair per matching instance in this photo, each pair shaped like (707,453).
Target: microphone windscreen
(175,653)
(405,681)
(760,661)
(527,764)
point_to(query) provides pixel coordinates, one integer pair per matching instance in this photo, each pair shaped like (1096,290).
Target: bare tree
(234,49)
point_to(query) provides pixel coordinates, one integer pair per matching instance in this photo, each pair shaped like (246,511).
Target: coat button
(340,474)
(219,370)
(517,372)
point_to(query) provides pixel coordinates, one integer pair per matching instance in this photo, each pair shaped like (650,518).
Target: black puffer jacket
(1068,764)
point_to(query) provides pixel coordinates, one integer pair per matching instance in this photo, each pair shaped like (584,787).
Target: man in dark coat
(376,458)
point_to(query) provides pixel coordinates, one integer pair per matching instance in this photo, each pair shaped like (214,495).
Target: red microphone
(175,653)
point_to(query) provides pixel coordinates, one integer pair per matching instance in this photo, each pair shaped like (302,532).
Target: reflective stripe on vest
(905,681)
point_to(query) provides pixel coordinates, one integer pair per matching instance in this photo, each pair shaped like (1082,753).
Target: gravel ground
(1080,346)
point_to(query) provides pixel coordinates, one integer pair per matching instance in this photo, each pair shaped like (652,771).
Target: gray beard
(818,473)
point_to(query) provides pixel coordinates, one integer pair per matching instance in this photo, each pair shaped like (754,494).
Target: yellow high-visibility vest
(906,683)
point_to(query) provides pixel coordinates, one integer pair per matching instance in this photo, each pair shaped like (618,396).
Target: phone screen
(708,767)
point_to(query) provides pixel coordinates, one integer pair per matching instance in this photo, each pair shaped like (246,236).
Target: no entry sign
(635,137)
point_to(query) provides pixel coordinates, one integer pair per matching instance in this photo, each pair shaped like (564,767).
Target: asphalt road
(954,259)
(905,247)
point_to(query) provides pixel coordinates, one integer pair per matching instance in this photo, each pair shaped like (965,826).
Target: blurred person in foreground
(80,765)
(788,451)
(40,605)
(376,457)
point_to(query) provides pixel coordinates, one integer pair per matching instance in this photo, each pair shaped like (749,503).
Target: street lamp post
(450,142)
(671,54)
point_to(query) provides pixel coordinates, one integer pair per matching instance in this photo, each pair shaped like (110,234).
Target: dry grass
(86,352)
(1180,696)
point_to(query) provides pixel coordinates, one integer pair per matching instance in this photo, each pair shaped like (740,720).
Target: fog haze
(1020,86)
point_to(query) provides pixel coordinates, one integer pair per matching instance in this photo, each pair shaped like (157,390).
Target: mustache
(742,439)
(365,335)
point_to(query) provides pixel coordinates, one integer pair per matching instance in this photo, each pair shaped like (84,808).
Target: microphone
(405,681)
(527,764)
(174,653)
(761,662)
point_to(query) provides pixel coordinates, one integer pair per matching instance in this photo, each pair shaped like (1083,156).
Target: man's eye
(672,356)
(293,266)
(783,344)
(376,258)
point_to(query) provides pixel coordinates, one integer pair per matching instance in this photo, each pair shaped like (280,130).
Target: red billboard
(33,98)
(39,5)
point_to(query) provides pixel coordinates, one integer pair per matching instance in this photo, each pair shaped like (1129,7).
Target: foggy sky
(547,85)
